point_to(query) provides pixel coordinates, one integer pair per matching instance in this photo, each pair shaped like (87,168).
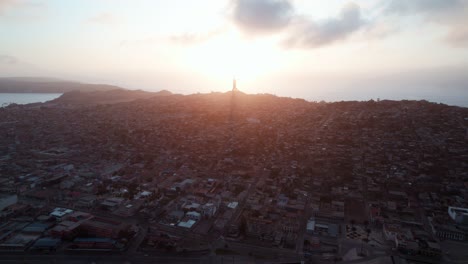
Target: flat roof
(47,242)
(94,239)
(187,224)
(459,209)
(333,229)
(59,212)
(321,225)
(193,213)
(177,213)
(65,225)
(233,205)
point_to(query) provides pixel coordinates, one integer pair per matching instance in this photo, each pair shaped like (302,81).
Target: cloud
(8,60)
(421,6)
(380,29)
(311,34)
(456,23)
(31,7)
(183,39)
(106,19)
(452,14)
(194,38)
(7,4)
(261,16)
(458,36)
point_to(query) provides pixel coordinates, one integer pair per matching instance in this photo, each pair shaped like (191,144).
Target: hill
(105,97)
(48,85)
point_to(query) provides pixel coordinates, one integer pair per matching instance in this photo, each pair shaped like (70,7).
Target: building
(322,228)
(233,205)
(208,210)
(193,215)
(375,214)
(95,243)
(100,227)
(46,244)
(176,216)
(78,216)
(112,204)
(260,228)
(451,232)
(390,231)
(65,230)
(459,215)
(86,201)
(59,213)
(184,185)
(17,236)
(35,228)
(187,224)
(282,200)
(310,228)
(158,238)
(7,200)
(290,224)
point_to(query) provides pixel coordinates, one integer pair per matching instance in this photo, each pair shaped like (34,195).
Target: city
(231,177)
(234,131)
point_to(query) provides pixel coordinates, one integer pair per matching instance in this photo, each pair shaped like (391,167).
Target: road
(307,210)
(244,248)
(122,259)
(259,173)
(136,241)
(185,233)
(114,258)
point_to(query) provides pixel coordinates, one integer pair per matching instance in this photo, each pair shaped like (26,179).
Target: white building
(310,229)
(7,200)
(209,210)
(59,213)
(187,224)
(459,215)
(233,205)
(193,215)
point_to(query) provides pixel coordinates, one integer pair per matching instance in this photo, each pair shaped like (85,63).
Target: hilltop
(104,97)
(49,85)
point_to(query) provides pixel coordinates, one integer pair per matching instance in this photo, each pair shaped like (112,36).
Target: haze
(341,50)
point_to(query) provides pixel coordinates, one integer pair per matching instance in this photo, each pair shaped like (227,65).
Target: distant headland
(49,85)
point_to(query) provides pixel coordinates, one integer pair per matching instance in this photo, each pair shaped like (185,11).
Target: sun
(232,55)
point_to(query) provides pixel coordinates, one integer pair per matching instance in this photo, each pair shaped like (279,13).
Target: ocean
(26,98)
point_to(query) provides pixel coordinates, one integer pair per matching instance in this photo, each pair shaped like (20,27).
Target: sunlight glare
(231,56)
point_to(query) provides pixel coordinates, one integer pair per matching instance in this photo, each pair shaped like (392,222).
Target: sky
(312,49)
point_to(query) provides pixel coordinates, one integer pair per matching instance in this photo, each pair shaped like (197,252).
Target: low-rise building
(459,215)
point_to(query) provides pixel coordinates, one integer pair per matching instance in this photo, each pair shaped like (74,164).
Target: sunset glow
(233,131)
(231,55)
(192,46)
